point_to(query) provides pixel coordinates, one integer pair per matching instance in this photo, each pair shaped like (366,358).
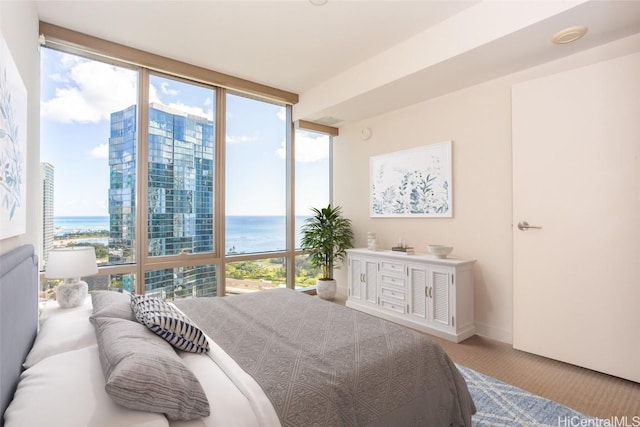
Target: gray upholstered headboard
(18,316)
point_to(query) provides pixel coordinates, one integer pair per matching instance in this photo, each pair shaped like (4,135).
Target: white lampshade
(67,263)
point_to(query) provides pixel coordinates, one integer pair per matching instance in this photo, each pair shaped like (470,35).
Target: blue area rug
(502,405)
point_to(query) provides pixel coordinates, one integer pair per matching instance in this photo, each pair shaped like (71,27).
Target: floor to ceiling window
(255,175)
(87,149)
(312,190)
(180,187)
(171,225)
(256,158)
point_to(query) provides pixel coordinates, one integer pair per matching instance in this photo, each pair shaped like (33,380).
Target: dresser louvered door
(356,276)
(363,279)
(419,291)
(430,294)
(371,280)
(440,299)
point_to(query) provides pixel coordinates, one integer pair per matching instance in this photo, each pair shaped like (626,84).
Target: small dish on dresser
(440,251)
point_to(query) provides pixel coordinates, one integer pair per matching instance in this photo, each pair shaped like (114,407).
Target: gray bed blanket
(322,364)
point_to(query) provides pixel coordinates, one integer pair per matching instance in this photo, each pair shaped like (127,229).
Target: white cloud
(89,91)
(240,139)
(308,149)
(165,89)
(196,111)
(282,151)
(282,113)
(153,95)
(100,152)
(57,77)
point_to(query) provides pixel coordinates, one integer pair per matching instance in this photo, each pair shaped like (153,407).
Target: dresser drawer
(392,280)
(392,266)
(393,293)
(396,307)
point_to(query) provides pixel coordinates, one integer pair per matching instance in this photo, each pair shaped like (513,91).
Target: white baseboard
(493,333)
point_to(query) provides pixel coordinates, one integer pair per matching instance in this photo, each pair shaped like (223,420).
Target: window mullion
(142,156)
(220,218)
(291,202)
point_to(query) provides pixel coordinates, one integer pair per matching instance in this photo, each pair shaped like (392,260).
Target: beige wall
(19,27)
(478,120)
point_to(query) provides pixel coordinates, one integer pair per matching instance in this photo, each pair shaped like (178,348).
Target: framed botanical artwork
(13,147)
(414,182)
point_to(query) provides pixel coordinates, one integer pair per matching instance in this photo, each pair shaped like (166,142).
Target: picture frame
(412,183)
(13,147)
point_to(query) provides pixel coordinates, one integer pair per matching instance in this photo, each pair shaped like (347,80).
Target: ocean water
(244,234)
(250,234)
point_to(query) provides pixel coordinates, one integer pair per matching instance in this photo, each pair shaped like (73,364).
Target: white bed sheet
(67,390)
(235,398)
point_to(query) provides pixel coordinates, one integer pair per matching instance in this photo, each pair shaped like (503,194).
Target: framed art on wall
(13,147)
(414,182)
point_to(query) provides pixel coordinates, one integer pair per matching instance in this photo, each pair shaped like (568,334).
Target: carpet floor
(583,390)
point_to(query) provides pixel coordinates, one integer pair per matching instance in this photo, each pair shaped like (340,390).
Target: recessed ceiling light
(569,35)
(318,2)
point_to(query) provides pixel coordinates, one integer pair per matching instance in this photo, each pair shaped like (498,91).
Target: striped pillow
(168,322)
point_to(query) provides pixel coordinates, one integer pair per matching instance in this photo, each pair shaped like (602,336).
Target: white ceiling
(350,59)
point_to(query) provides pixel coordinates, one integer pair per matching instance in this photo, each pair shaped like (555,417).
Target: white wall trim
(498,334)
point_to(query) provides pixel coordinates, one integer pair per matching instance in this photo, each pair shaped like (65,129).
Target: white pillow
(67,390)
(62,333)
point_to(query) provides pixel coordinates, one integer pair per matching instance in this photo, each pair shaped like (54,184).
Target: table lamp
(70,264)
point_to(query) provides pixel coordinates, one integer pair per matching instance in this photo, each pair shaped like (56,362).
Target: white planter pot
(326,289)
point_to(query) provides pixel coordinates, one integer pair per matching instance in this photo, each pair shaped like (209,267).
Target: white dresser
(421,291)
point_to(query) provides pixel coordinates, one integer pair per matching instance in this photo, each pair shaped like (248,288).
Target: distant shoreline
(244,233)
(89,237)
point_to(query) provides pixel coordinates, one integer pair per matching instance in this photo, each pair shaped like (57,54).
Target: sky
(79,95)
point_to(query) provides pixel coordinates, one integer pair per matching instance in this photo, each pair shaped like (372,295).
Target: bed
(238,361)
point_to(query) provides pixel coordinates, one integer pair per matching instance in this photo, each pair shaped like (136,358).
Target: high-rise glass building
(180,192)
(48,231)
(122,186)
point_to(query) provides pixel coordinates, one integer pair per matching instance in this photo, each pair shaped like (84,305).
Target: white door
(576,174)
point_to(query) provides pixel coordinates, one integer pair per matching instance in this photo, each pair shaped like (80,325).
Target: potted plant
(326,236)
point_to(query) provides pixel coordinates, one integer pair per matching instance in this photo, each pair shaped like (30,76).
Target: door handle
(524,226)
